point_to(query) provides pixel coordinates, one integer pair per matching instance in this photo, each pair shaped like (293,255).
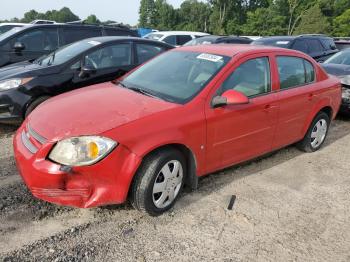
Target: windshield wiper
(138,90)
(142,91)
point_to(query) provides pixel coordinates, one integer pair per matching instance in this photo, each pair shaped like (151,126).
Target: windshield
(342,58)
(66,53)
(176,76)
(10,33)
(5,28)
(154,36)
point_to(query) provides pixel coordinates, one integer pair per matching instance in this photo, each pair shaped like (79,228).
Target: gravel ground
(290,206)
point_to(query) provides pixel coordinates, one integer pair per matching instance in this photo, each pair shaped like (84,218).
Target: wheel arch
(323,106)
(191,180)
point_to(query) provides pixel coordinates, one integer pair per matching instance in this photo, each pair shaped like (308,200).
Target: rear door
(109,62)
(37,42)
(296,98)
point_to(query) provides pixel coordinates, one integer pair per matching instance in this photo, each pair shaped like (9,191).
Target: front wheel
(158,182)
(317,133)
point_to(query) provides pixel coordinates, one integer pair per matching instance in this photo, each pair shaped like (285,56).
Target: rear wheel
(317,133)
(35,104)
(158,182)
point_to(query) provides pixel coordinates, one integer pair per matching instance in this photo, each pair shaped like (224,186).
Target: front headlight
(13,83)
(82,151)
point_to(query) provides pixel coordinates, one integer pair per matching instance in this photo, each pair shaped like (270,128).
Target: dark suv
(32,41)
(319,47)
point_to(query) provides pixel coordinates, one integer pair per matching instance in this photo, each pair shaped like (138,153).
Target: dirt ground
(290,206)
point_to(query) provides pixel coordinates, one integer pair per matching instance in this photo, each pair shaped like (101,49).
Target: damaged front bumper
(107,182)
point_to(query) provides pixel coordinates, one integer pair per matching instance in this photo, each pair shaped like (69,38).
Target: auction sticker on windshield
(209,57)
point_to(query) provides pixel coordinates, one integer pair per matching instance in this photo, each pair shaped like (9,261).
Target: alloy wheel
(319,133)
(167,184)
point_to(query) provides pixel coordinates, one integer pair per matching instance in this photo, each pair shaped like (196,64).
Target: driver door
(108,63)
(236,133)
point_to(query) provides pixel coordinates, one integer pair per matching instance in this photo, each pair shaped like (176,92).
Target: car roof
(291,38)
(231,50)
(106,39)
(16,24)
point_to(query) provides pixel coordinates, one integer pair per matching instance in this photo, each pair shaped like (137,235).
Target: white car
(176,38)
(4,27)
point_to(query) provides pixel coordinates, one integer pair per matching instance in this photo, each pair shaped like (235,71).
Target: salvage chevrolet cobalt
(162,126)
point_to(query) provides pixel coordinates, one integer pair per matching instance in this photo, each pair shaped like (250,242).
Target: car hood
(92,111)
(336,69)
(24,69)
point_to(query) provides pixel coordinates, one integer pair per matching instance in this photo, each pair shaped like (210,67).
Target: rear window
(328,44)
(294,71)
(183,39)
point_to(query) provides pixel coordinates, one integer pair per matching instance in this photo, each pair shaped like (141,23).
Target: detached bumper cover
(104,183)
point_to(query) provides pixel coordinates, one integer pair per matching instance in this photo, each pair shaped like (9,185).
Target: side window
(314,45)
(39,40)
(72,35)
(252,78)
(301,46)
(110,56)
(146,52)
(171,39)
(183,39)
(294,71)
(309,72)
(116,32)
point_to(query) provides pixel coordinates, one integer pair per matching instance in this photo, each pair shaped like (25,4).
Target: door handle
(269,107)
(311,96)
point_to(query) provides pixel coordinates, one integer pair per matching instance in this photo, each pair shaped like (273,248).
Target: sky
(125,11)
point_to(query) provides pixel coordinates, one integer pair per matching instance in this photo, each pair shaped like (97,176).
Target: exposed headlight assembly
(346,93)
(13,83)
(82,151)
(345,80)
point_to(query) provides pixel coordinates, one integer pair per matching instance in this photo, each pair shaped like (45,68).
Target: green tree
(264,22)
(147,13)
(92,19)
(165,17)
(313,22)
(194,16)
(341,24)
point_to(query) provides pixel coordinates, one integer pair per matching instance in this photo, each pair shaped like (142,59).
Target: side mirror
(18,47)
(86,71)
(230,97)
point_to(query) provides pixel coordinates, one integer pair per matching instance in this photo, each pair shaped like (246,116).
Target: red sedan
(184,114)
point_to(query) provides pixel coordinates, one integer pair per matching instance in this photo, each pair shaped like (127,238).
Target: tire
(320,124)
(150,178)
(34,105)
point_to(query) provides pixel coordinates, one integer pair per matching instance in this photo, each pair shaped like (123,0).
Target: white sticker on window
(209,57)
(94,42)
(282,42)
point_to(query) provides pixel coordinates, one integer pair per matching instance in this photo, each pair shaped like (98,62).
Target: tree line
(249,17)
(63,15)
